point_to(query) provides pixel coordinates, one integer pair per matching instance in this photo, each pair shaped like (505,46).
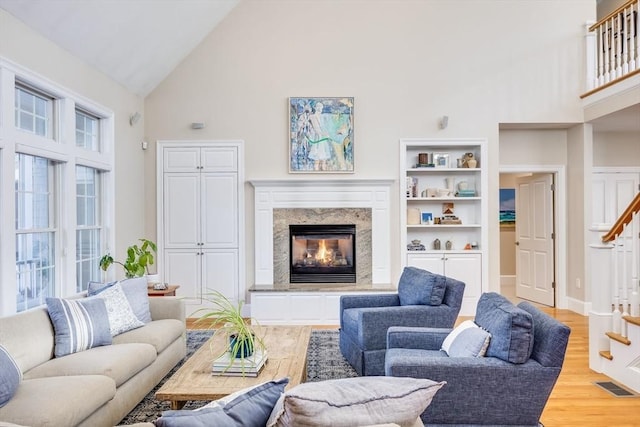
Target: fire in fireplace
(322,253)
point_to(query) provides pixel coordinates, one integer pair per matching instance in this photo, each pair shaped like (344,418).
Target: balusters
(635,296)
(616,316)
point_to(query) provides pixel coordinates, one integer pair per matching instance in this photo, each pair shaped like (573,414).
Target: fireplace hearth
(322,253)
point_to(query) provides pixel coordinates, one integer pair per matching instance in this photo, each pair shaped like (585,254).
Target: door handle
(517,243)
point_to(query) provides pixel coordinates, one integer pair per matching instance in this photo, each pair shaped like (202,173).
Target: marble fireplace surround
(312,196)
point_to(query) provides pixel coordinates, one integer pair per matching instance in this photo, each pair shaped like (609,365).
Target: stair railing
(623,302)
(613,47)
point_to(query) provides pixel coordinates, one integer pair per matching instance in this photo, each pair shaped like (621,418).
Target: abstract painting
(321,135)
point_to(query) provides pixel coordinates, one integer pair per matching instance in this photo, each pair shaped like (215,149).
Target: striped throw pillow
(79,324)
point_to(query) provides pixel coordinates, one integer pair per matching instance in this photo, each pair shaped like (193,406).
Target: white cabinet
(466,267)
(443,210)
(199,225)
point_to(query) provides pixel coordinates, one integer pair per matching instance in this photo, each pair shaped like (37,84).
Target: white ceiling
(135,42)
(139,42)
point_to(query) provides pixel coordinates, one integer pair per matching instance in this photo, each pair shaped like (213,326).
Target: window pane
(87,131)
(88,226)
(33,112)
(33,192)
(35,269)
(35,238)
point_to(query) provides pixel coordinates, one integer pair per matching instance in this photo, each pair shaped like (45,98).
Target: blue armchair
(423,299)
(510,386)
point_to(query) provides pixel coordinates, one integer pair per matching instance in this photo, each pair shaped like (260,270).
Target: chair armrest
(417,338)
(369,300)
(167,308)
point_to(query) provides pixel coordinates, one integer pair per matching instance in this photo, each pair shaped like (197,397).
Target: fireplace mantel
(323,193)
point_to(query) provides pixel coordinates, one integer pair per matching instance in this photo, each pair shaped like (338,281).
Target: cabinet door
(468,269)
(182,210)
(220,210)
(182,267)
(433,262)
(182,159)
(219,159)
(220,272)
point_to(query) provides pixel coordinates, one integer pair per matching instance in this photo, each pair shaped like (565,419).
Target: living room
(509,72)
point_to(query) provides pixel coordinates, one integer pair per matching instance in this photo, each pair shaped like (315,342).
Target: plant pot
(244,349)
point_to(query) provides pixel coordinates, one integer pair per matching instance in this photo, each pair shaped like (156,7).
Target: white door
(534,239)
(182,210)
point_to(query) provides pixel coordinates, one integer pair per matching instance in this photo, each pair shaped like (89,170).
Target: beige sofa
(95,387)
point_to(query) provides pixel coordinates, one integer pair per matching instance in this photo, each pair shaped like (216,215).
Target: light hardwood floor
(576,400)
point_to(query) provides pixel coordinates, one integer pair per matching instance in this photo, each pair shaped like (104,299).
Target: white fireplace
(328,194)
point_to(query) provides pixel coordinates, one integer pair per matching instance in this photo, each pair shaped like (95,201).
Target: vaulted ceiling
(135,42)
(139,42)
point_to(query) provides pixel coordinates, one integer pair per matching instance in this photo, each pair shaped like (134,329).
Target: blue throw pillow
(10,376)
(248,407)
(421,287)
(134,289)
(78,324)
(511,328)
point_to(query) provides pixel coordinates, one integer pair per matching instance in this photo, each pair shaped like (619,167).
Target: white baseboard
(580,307)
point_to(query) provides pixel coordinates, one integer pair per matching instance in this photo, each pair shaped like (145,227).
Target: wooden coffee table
(287,357)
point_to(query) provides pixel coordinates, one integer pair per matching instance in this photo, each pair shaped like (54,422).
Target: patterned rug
(324,361)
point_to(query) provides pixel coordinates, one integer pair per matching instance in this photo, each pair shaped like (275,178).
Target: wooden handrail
(614,13)
(624,219)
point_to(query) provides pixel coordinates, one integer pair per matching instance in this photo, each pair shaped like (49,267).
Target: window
(34,111)
(89,230)
(87,131)
(35,230)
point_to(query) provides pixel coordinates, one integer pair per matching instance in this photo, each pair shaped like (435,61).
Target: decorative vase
(242,351)
(472,163)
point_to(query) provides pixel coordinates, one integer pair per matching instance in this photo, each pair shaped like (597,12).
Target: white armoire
(200,211)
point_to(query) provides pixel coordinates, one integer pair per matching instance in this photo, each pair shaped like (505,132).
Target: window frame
(61,149)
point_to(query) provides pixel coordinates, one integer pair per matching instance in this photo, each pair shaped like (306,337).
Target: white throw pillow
(121,315)
(466,340)
(359,401)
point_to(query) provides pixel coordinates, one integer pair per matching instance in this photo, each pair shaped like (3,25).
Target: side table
(170,291)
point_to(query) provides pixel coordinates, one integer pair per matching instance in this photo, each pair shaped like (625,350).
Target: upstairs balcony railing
(613,47)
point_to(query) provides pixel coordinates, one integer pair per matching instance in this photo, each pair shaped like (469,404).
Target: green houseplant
(139,258)
(226,317)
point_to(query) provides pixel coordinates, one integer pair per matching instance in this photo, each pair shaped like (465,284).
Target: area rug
(324,361)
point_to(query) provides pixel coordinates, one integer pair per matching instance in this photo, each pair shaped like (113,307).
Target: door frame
(559,218)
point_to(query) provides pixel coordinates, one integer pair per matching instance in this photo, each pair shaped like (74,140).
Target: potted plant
(139,258)
(226,317)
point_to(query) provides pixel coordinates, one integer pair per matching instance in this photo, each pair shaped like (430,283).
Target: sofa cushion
(251,406)
(119,362)
(158,333)
(10,376)
(355,401)
(469,340)
(33,405)
(121,316)
(421,287)
(511,328)
(79,324)
(134,289)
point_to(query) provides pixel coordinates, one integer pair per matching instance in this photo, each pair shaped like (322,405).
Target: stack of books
(227,365)
(466,193)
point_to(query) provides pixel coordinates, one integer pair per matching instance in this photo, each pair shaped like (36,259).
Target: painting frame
(441,160)
(321,141)
(507,208)
(426,218)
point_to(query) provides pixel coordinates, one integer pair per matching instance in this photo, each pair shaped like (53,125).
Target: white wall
(28,49)
(616,149)
(406,62)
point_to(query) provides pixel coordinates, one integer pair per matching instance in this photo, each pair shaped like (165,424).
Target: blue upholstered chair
(423,299)
(510,385)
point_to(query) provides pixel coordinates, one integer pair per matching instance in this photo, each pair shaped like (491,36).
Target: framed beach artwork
(507,207)
(321,135)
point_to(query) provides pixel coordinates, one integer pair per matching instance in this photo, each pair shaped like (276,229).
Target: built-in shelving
(445,189)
